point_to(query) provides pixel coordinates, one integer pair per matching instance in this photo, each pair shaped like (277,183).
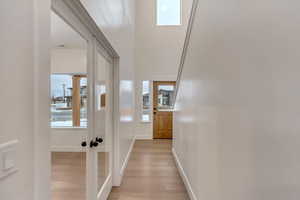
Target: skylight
(168,12)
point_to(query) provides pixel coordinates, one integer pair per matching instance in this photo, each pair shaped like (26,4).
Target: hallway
(151,174)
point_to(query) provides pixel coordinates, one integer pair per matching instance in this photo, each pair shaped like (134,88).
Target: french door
(103,116)
(84,170)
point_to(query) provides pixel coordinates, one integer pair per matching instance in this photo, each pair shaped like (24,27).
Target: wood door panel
(164,125)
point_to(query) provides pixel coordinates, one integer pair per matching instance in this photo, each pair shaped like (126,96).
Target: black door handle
(83,144)
(93,143)
(99,140)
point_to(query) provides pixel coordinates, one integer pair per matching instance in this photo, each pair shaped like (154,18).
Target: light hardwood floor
(69,174)
(151,174)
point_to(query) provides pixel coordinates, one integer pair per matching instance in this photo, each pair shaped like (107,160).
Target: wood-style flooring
(151,174)
(68,180)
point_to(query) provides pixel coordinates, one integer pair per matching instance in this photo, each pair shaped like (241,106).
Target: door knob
(93,144)
(83,144)
(99,140)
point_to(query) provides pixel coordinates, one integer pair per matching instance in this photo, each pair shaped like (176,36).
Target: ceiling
(63,35)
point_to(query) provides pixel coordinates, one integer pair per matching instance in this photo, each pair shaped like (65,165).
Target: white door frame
(105,189)
(73,12)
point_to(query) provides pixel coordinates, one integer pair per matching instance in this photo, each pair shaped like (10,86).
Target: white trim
(73,149)
(143,137)
(41,100)
(69,129)
(105,189)
(186,45)
(116,115)
(66,149)
(9,146)
(7,174)
(184,176)
(127,159)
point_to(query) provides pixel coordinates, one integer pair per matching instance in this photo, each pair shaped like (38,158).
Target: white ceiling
(64,34)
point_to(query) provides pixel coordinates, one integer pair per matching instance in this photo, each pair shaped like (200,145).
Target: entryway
(82,105)
(163,100)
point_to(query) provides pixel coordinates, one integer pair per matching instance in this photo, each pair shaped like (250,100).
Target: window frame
(167,25)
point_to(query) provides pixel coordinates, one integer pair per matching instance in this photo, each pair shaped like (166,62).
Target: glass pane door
(103,118)
(69,134)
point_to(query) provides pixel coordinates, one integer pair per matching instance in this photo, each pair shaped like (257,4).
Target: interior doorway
(69,111)
(163,100)
(82,105)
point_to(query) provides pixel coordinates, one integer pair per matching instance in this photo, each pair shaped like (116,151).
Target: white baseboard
(143,137)
(184,177)
(106,189)
(126,159)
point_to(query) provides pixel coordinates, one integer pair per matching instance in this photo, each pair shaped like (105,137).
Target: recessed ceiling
(63,35)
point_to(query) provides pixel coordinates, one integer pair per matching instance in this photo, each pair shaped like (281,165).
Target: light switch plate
(8,158)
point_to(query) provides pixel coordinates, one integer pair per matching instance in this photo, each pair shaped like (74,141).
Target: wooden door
(163,99)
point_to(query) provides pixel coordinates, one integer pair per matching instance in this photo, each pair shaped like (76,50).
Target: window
(68,100)
(165,97)
(146,105)
(168,12)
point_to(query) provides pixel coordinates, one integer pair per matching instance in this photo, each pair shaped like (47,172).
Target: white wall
(157,52)
(237,113)
(116,18)
(158,48)
(23,54)
(67,139)
(64,60)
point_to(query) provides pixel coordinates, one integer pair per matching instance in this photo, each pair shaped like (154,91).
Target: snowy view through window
(61,100)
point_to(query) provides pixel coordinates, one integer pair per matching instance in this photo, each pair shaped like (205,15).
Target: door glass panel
(83,101)
(61,109)
(103,117)
(62,96)
(165,97)
(68,111)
